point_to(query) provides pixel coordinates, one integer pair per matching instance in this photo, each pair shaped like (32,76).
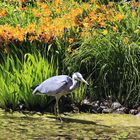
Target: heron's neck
(74,84)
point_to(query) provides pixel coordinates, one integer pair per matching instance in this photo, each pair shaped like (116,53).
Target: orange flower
(134,4)
(71,40)
(119,17)
(3,13)
(58,10)
(30,28)
(110,12)
(102,16)
(44,37)
(43,6)
(102,24)
(56,3)
(103,8)
(32,38)
(110,4)
(36,12)
(18,34)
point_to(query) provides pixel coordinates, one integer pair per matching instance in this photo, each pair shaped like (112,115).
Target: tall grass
(114,67)
(17,78)
(110,61)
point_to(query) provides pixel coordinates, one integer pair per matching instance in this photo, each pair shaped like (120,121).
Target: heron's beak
(84,81)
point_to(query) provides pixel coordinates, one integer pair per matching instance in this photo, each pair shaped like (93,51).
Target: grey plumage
(54,85)
(59,85)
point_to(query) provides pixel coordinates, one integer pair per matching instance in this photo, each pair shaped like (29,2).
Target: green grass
(15,16)
(113,67)
(17,79)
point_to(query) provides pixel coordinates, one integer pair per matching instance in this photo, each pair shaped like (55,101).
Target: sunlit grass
(17,78)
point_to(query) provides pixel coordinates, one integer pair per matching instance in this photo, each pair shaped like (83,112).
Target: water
(18,126)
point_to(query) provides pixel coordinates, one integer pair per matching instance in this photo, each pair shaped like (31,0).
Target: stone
(95,107)
(104,103)
(116,105)
(99,110)
(133,111)
(138,109)
(107,110)
(103,107)
(121,110)
(85,101)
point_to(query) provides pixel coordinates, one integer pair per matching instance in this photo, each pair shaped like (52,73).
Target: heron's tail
(33,87)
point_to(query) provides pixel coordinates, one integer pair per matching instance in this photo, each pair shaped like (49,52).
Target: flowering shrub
(101,41)
(52,18)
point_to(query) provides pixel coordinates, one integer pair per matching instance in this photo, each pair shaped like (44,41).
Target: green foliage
(83,92)
(17,79)
(79,94)
(114,67)
(109,60)
(15,16)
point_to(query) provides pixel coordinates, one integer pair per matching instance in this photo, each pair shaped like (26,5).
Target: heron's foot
(58,117)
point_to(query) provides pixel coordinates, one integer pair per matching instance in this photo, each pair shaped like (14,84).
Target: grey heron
(58,86)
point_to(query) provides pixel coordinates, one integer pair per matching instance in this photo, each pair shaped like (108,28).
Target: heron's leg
(57,107)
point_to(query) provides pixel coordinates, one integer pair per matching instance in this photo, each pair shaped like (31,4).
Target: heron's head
(78,76)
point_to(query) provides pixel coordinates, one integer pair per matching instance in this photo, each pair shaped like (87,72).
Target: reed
(113,65)
(17,78)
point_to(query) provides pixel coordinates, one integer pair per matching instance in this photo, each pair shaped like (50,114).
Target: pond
(74,126)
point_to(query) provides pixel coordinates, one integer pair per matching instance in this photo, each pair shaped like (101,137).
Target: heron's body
(61,84)
(58,86)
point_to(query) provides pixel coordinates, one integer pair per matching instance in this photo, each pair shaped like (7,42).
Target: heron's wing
(54,85)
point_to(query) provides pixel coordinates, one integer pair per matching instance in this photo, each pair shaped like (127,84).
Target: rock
(99,110)
(94,108)
(121,110)
(116,105)
(138,109)
(104,103)
(86,106)
(85,101)
(138,115)
(103,107)
(107,110)
(133,111)
(75,108)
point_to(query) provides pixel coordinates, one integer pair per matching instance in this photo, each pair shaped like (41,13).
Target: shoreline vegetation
(100,39)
